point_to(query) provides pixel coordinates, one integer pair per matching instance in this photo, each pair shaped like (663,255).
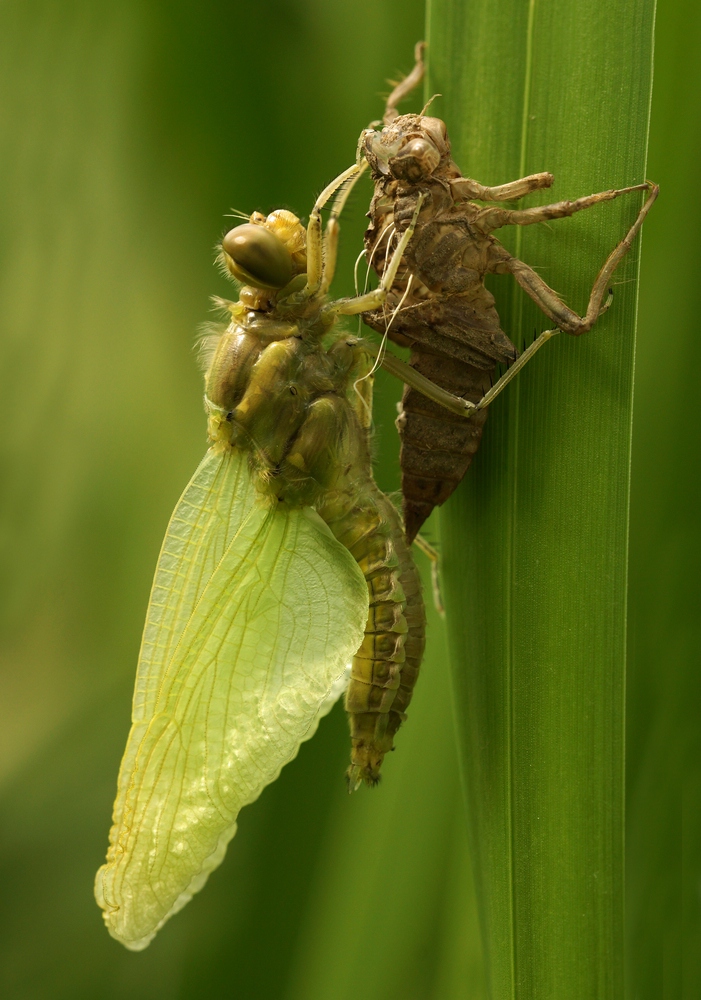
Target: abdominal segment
(386,667)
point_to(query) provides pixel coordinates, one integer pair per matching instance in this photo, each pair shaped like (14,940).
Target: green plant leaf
(663,752)
(535,542)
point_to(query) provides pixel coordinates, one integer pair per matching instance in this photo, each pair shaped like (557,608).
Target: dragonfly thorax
(290,404)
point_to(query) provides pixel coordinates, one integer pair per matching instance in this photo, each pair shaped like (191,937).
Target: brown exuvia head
(411,148)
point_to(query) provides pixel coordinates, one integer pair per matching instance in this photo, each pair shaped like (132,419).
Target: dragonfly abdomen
(437,446)
(385,668)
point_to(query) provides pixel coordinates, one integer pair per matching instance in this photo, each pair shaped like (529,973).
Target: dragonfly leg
(374,299)
(432,555)
(456,404)
(315,239)
(408,84)
(330,252)
(467,189)
(541,293)
(494,218)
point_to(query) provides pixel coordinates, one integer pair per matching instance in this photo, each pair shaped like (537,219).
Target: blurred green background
(128,130)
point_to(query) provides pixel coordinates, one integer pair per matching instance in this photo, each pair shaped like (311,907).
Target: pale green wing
(254,614)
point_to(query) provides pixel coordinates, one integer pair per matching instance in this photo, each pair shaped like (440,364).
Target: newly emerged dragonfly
(438,305)
(282,563)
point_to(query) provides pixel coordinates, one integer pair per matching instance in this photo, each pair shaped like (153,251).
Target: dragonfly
(438,305)
(284,576)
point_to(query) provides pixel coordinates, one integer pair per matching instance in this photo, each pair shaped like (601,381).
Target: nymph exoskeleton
(438,303)
(282,563)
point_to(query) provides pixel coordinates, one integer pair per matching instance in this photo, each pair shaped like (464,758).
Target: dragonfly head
(409,149)
(267,252)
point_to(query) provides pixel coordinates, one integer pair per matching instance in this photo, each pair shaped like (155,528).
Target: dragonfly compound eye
(257,257)
(437,133)
(416,161)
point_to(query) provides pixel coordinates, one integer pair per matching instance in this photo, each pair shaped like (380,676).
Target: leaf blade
(538,627)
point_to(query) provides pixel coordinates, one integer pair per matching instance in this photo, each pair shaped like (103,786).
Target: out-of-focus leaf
(128,131)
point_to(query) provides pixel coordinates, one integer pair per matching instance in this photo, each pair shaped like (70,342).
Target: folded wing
(255,612)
